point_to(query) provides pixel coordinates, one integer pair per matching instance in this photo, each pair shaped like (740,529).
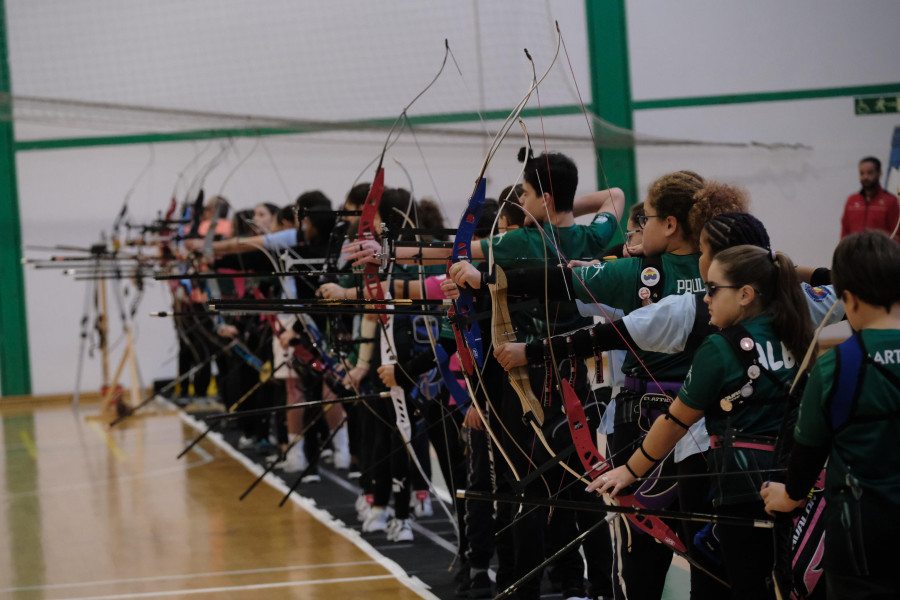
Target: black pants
(442,426)
(479,516)
(533,538)
(642,561)
(749,554)
(694,495)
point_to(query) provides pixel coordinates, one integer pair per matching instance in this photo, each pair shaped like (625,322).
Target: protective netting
(281,65)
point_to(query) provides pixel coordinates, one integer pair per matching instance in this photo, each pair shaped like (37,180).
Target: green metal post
(611,90)
(15,368)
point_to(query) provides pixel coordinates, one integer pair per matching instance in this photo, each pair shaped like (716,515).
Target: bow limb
(468,334)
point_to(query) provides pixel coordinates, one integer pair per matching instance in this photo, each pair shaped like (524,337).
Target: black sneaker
(462,578)
(481,586)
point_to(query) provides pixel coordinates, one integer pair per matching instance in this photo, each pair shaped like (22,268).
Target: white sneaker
(377,520)
(326,454)
(246,442)
(420,503)
(295,461)
(341,444)
(363,506)
(399,530)
(311,478)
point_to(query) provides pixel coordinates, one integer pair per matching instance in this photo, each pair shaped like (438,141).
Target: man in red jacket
(872,207)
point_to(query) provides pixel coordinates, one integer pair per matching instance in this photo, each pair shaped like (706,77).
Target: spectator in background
(872,207)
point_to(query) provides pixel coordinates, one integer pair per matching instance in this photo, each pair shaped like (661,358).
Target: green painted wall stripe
(814,94)
(15,367)
(204,134)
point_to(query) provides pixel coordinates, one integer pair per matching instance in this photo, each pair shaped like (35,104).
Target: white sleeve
(286,238)
(819,300)
(665,325)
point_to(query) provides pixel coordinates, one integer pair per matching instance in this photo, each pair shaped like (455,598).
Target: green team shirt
(871,448)
(716,373)
(618,284)
(525,248)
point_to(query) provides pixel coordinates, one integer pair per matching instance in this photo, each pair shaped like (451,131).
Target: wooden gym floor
(89,512)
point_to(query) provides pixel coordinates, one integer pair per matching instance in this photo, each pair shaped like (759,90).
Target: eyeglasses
(629,234)
(713,288)
(643,219)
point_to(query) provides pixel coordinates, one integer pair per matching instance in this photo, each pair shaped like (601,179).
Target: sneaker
(326,454)
(363,506)
(377,519)
(480,585)
(399,530)
(295,461)
(246,442)
(354,474)
(341,444)
(263,446)
(420,503)
(313,477)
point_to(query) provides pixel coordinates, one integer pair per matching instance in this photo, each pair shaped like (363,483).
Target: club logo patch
(650,276)
(817,293)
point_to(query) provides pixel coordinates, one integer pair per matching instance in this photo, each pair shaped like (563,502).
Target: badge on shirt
(650,276)
(644,293)
(816,293)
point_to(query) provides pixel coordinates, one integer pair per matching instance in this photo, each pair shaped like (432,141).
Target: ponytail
(774,277)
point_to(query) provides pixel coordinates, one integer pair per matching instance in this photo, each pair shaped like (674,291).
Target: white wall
(710,48)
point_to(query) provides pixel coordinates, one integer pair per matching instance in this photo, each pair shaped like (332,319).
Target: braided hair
(736,229)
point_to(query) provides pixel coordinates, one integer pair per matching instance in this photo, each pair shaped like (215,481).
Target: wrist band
(630,470)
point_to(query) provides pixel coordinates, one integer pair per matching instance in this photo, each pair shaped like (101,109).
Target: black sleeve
(254,260)
(804,466)
(554,280)
(820,277)
(614,250)
(607,336)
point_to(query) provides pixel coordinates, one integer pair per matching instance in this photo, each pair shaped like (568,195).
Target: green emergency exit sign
(876,105)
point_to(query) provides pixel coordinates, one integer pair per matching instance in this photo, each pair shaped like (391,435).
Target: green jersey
(717,373)
(869,446)
(627,284)
(527,247)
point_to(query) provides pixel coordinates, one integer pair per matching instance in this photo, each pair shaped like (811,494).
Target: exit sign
(876,105)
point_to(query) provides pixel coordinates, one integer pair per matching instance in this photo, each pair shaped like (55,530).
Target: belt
(646,386)
(716,442)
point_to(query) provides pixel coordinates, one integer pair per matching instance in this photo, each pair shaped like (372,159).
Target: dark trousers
(694,495)
(749,554)
(479,516)
(643,561)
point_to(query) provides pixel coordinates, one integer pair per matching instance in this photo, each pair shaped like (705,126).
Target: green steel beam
(611,90)
(15,370)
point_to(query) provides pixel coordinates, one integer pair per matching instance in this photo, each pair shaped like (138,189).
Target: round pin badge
(726,404)
(650,276)
(746,390)
(753,371)
(644,293)
(747,344)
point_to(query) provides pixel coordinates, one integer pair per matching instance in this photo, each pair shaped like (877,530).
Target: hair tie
(772,255)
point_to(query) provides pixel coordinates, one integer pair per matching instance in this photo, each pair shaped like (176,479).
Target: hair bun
(525,154)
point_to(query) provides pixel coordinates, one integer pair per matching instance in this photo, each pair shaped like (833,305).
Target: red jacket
(882,212)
